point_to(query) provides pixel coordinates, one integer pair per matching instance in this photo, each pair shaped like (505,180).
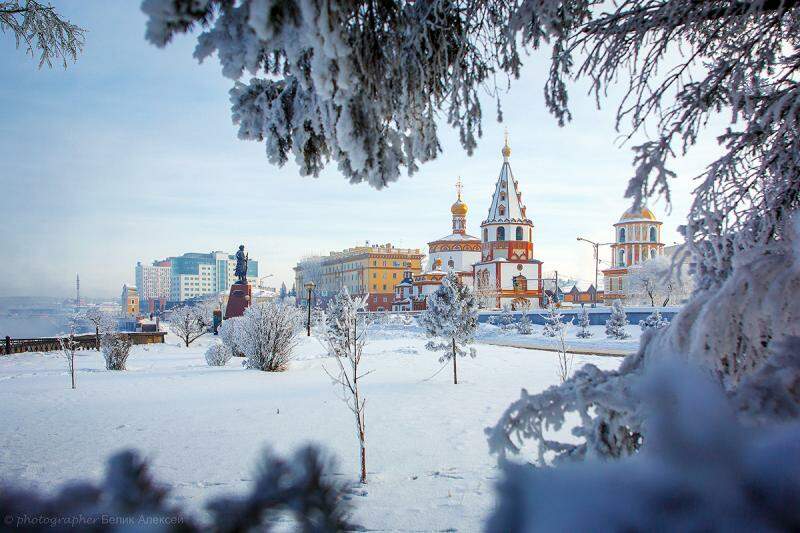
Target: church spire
(506,151)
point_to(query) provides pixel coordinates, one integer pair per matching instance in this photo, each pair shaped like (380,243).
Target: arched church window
(502,210)
(519,233)
(652,254)
(621,234)
(451,264)
(502,197)
(485,235)
(621,258)
(501,233)
(653,235)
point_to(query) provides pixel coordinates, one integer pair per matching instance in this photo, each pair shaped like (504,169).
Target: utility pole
(77,290)
(596,246)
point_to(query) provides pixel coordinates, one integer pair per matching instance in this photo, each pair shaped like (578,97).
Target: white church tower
(507,274)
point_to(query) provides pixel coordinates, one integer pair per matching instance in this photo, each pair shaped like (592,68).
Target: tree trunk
(363,463)
(72,368)
(97,338)
(455,369)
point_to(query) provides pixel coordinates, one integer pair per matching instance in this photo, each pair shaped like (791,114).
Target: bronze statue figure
(241,266)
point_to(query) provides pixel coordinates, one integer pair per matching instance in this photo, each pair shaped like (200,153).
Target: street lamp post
(596,246)
(309,287)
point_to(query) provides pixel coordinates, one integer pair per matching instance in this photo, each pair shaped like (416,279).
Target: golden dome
(645,213)
(459,208)
(506,150)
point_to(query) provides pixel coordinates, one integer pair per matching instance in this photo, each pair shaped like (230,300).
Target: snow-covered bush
(505,320)
(524,325)
(189,322)
(218,354)
(451,321)
(116,348)
(553,321)
(653,321)
(228,334)
(103,322)
(615,325)
(726,476)
(267,335)
(344,335)
(583,324)
(302,486)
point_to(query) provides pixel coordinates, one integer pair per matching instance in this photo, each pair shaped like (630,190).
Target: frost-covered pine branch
(41,31)
(724,472)
(615,325)
(298,490)
(344,336)
(450,321)
(189,322)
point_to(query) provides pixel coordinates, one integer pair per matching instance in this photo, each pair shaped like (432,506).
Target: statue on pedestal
(241,266)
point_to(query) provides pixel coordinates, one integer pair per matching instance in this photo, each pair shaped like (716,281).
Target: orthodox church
(637,238)
(507,273)
(500,265)
(456,252)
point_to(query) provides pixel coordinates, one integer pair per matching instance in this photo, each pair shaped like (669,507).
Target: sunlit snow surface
(203,427)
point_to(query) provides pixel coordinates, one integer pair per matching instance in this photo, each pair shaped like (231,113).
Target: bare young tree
(69,344)
(41,30)
(565,358)
(345,335)
(189,322)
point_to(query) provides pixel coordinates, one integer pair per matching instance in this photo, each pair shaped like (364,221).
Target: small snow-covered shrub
(228,333)
(615,325)
(552,321)
(524,326)
(116,347)
(653,321)
(218,354)
(505,320)
(267,335)
(583,324)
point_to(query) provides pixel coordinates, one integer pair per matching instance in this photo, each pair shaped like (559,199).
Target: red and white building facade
(637,238)
(507,273)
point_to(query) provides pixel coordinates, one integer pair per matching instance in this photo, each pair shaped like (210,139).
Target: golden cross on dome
(458,187)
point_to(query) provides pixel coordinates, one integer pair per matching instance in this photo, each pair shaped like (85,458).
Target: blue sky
(130,155)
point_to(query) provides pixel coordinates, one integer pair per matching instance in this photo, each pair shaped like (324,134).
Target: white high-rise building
(194,275)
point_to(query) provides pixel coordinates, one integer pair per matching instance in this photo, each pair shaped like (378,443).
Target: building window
(653,235)
(652,254)
(621,258)
(621,234)
(519,233)
(485,235)
(502,210)
(451,264)
(520,283)
(501,233)
(394,275)
(384,287)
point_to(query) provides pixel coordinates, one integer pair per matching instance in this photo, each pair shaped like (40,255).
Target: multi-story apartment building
(194,275)
(370,269)
(153,282)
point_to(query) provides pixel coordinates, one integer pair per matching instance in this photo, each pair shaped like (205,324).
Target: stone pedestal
(238,300)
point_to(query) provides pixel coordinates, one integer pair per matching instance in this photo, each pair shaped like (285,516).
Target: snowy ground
(203,427)
(597,343)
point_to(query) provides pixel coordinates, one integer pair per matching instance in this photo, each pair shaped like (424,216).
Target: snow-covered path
(203,427)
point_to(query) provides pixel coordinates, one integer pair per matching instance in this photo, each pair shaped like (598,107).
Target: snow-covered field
(203,427)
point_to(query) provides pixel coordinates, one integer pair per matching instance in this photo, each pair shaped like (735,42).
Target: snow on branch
(41,30)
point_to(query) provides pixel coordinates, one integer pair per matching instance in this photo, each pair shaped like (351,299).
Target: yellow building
(369,269)
(129,301)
